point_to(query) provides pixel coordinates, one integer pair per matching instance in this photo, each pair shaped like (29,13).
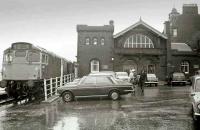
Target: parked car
(95,86)
(195,95)
(176,78)
(122,75)
(151,79)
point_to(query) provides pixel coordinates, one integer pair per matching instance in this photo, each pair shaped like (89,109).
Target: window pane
(34,57)
(138,41)
(95,41)
(87,41)
(143,39)
(102,41)
(90,80)
(8,57)
(104,80)
(43,58)
(94,65)
(20,53)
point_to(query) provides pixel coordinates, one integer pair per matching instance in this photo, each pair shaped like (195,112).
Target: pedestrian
(142,80)
(132,76)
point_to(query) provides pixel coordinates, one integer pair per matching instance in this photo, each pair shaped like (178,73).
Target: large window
(175,32)
(102,41)
(185,67)
(138,41)
(151,69)
(95,41)
(94,65)
(87,41)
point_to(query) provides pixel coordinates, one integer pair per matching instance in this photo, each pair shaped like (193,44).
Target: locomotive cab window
(34,57)
(45,58)
(8,57)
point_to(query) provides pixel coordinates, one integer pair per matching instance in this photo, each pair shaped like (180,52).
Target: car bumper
(153,82)
(179,81)
(197,114)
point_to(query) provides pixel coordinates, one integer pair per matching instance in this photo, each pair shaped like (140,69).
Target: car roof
(103,73)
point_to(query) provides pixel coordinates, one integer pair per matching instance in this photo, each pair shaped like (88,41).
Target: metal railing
(51,85)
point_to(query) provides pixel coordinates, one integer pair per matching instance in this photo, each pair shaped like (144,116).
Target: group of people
(137,79)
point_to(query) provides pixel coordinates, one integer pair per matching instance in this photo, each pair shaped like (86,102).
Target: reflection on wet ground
(158,108)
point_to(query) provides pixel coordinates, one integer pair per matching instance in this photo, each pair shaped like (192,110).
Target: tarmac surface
(158,108)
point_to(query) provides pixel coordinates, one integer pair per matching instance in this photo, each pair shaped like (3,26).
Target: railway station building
(142,47)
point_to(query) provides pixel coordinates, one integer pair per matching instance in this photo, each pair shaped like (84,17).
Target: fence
(51,85)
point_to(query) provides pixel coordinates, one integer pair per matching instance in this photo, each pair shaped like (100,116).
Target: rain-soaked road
(159,108)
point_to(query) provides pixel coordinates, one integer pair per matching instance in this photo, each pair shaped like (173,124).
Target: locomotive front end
(21,62)
(21,69)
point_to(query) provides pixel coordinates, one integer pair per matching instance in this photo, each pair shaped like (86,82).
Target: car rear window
(179,74)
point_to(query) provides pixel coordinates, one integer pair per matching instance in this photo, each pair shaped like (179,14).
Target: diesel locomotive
(25,66)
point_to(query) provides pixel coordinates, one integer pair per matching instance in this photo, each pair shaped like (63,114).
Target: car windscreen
(198,85)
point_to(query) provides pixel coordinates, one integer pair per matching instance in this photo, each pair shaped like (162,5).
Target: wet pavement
(158,108)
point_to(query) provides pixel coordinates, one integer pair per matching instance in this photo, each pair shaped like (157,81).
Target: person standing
(142,80)
(132,79)
(132,76)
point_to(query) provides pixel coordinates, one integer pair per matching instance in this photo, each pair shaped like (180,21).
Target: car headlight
(198,106)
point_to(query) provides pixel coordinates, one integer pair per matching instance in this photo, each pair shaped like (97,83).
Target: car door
(103,85)
(86,87)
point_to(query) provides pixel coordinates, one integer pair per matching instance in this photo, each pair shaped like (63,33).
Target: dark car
(195,95)
(95,86)
(177,78)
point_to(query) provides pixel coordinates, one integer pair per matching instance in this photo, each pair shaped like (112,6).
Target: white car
(151,79)
(122,75)
(195,95)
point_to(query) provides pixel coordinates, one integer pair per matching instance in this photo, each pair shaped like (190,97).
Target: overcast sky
(51,24)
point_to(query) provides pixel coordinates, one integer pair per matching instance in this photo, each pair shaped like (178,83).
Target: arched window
(94,66)
(102,41)
(185,67)
(138,41)
(95,41)
(87,41)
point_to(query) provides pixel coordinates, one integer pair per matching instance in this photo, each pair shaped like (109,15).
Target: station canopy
(181,47)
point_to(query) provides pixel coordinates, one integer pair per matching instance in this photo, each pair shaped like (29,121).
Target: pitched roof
(181,47)
(140,22)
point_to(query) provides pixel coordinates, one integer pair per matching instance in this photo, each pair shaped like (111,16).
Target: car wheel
(67,96)
(114,95)
(193,115)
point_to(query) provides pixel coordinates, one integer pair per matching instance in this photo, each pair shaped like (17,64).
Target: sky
(51,24)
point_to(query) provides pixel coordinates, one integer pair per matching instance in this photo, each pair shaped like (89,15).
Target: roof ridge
(140,22)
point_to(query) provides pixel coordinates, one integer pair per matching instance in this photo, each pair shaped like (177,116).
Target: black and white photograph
(99,64)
